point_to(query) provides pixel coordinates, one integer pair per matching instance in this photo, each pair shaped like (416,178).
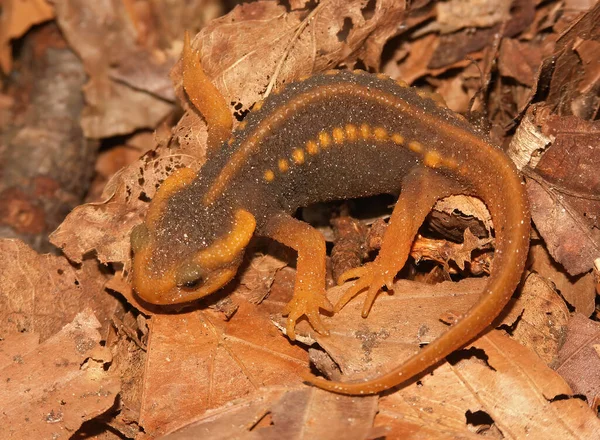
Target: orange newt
(335,135)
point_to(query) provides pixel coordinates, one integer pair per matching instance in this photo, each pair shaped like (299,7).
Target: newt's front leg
(420,190)
(309,289)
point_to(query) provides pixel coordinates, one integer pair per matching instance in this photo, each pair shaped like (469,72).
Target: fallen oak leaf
(498,378)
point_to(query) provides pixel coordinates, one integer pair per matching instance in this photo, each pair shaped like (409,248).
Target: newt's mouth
(165,289)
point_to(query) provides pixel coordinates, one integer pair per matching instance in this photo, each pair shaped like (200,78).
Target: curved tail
(503,192)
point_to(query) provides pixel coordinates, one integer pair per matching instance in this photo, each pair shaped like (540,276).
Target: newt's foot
(306,303)
(372,276)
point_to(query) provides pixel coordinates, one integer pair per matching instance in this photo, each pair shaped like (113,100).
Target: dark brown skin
(332,136)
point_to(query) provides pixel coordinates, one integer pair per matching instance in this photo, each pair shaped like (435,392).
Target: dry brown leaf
(259,45)
(455,47)
(495,379)
(42,293)
(577,291)
(579,359)
(522,395)
(197,361)
(538,318)
(519,60)
(574,85)
(458,14)
(17,16)
(277,413)
(565,207)
(104,227)
(49,390)
(126,61)
(259,276)
(395,327)
(437,406)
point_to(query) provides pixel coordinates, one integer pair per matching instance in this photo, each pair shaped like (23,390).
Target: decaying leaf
(538,318)
(50,389)
(287,413)
(214,361)
(396,325)
(579,359)
(42,293)
(259,45)
(565,204)
(578,291)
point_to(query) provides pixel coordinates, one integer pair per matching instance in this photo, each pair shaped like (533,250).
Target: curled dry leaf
(126,61)
(578,291)
(16,18)
(288,413)
(50,389)
(522,395)
(574,85)
(104,227)
(42,293)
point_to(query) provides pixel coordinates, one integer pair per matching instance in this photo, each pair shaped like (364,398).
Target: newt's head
(167,272)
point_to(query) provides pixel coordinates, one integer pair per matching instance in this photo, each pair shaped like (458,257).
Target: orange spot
(331,72)
(432,159)
(451,163)
(351,132)
(380,133)
(382,76)
(365,131)
(415,147)
(298,156)
(242,125)
(423,94)
(324,139)
(401,83)
(338,135)
(398,138)
(258,105)
(283,165)
(269,175)
(312,147)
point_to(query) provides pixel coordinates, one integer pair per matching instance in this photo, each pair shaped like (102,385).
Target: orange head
(186,273)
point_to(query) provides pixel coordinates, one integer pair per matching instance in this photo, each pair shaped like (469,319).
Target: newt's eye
(193,284)
(191,276)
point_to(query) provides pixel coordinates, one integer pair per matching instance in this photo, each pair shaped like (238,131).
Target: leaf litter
(223,366)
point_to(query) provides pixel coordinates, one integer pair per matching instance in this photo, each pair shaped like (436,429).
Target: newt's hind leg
(420,190)
(205,97)
(309,289)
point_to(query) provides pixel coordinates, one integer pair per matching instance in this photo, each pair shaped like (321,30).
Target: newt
(334,135)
